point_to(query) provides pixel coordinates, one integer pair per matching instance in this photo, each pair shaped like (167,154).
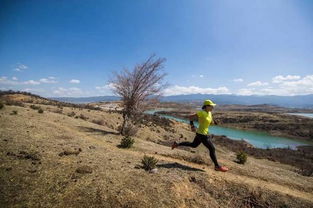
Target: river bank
(272,123)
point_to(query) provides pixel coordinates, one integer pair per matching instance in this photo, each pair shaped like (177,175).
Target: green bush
(148,162)
(1,105)
(40,111)
(242,157)
(127,142)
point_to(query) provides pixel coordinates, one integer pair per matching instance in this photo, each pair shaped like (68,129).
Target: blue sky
(70,48)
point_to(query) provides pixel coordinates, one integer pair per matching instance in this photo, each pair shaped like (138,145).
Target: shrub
(129,130)
(16,103)
(60,111)
(82,116)
(71,114)
(148,162)
(98,121)
(14,112)
(242,157)
(197,159)
(127,142)
(40,111)
(34,107)
(1,105)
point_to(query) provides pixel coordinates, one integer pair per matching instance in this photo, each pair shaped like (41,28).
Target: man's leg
(195,143)
(208,143)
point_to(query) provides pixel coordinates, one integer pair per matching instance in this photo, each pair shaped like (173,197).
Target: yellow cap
(208,102)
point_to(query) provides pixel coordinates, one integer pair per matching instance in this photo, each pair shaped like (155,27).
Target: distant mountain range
(300,101)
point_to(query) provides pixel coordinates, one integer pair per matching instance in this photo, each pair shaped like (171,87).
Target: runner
(204,118)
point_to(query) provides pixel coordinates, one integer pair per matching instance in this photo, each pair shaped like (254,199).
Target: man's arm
(215,122)
(192,118)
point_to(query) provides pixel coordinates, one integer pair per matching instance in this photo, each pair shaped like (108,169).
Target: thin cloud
(75,81)
(31,82)
(20,67)
(178,90)
(106,89)
(109,86)
(288,86)
(238,80)
(68,92)
(48,80)
(5,81)
(245,91)
(33,90)
(280,78)
(257,84)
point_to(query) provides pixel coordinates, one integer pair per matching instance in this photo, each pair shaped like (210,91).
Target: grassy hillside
(69,157)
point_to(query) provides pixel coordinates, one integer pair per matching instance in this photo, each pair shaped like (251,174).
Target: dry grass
(53,160)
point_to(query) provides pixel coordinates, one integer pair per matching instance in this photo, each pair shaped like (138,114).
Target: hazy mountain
(300,101)
(303,101)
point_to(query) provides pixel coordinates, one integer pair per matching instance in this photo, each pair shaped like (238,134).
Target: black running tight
(204,139)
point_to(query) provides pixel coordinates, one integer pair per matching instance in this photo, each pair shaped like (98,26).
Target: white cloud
(31,82)
(245,91)
(287,87)
(280,78)
(177,90)
(68,92)
(48,80)
(109,86)
(75,81)
(5,81)
(301,86)
(20,67)
(201,76)
(238,80)
(33,90)
(106,89)
(257,84)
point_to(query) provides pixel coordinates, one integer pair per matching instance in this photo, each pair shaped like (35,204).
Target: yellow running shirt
(204,119)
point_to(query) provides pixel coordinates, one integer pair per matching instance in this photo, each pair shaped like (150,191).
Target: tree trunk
(124,123)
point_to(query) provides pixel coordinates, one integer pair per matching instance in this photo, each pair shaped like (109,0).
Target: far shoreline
(271,133)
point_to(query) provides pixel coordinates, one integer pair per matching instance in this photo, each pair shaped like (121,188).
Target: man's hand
(193,129)
(215,122)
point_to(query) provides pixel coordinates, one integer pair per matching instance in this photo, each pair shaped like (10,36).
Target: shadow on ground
(180,166)
(94,130)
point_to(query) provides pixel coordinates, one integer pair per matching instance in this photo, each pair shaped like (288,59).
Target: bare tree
(138,87)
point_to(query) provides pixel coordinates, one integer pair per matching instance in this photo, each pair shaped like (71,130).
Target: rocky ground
(69,157)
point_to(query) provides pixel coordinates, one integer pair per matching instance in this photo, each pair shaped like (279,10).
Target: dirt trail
(228,176)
